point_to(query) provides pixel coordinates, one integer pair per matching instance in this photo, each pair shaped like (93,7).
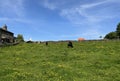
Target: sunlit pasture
(87,61)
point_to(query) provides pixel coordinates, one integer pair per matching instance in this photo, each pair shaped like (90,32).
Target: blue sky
(60,19)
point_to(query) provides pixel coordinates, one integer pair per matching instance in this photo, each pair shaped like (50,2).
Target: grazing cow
(70,45)
(81,39)
(46,43)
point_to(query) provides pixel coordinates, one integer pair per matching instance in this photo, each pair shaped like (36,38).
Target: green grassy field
(87,61)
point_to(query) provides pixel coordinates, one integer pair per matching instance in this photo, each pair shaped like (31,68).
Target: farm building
(6,36)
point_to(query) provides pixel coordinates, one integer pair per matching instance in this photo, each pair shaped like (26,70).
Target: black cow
(70,45)
(46,43)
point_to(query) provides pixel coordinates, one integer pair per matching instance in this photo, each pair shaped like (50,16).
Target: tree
(118,30)
(20,38)
(111,35)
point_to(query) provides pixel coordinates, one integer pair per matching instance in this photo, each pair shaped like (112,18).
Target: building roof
(6,31)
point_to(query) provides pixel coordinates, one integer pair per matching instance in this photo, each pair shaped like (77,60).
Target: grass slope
(87,61)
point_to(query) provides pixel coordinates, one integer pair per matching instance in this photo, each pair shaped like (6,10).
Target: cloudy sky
(60,19)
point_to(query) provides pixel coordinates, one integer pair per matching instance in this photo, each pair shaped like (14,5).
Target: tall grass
(87,61)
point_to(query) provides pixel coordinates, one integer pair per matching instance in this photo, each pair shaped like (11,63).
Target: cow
(70,45)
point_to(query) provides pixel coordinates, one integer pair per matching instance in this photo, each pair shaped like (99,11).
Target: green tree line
(19,38)
(114,34)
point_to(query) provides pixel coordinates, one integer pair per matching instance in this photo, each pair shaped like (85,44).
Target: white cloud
(90,5)
(83,14)
(81,9)
(16,20)
(49,5)
(13,11)
(55,4)
(10,8)
(91,14)
(92,33)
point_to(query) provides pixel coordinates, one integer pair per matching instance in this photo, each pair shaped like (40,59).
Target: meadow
(87,61)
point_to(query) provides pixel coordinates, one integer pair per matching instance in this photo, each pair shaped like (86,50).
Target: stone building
(6,36)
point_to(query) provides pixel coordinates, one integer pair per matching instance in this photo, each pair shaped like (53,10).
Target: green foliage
(111,35)
(87,61)
(114,35)
(19,38)
(118,30)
